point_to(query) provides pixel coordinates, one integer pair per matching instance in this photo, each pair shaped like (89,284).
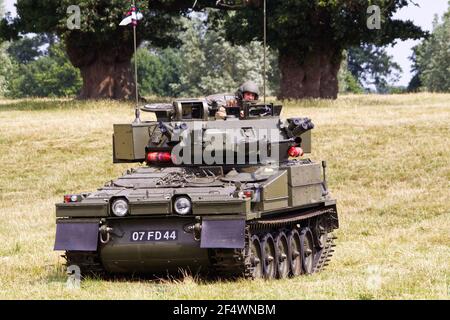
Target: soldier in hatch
(247,92)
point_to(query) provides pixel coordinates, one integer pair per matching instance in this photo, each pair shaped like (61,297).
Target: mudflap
(73,235)
(223,233)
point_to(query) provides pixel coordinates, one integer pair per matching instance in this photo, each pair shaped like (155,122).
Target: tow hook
(105,231)
(195,229)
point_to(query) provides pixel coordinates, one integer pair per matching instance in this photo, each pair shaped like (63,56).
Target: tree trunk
(106,70)
(107,80)
(316,77)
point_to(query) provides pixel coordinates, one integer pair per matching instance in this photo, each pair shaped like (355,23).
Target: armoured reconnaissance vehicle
(230,197)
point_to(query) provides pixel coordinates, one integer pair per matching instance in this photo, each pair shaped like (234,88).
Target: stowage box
(305,184)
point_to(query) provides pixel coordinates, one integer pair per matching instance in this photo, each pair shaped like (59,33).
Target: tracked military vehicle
(230,197)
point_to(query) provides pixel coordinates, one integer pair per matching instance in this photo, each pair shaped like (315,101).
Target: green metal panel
(274,194)
(130,141)
(75,210)
(229,206)
(304,174)
(150,208)
(304,195)
(306,142)
(123,142)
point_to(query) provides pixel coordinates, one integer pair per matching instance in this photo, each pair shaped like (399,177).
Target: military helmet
(248,86)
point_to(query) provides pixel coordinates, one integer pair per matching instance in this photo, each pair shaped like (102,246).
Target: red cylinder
(295,152)
(159,157)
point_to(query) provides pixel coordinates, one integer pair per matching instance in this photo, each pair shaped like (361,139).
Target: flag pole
(137,112)
(265,45)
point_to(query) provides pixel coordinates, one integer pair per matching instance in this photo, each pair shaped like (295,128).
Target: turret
(187,133)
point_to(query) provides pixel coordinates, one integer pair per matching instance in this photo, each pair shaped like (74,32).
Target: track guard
(223,233)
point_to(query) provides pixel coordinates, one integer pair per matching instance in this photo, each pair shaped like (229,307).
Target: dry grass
(389,168)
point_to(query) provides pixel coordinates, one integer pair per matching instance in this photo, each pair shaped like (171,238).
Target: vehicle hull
(170,245)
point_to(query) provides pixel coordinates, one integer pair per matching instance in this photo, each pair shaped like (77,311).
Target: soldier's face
(249,96)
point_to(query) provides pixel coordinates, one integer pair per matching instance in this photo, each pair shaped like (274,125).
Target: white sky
(422,16)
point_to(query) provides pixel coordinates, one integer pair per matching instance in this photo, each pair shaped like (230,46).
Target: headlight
(120,207)
(182,205)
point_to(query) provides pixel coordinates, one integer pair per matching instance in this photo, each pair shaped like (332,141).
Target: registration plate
(154,235)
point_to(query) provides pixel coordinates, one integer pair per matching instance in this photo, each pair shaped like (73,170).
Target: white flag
(128,20)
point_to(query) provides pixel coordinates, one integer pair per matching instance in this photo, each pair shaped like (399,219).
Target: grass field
(389,168)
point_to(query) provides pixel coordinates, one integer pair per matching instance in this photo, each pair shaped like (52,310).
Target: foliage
(396,89)
(206,63)
(347,82)
(30,47)
(99,22)
(50,75)
(157,70)
(431,59)
(220,66)
(5,61)
(415,84)
(371,65)
(98,41)
(296,27)
(5,68)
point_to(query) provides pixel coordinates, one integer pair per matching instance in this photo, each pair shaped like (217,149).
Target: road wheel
(320,232)
(307,250)
(295,259)
(269,257)
(282,254)
(256,257)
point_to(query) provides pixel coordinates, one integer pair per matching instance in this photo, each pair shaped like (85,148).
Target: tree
(219,66)
(101,49)
(415,84)
(158,70)
(311,35)
(431,59)
(30,47)
(5,61)
(49,75)
(347,82)
(372,65)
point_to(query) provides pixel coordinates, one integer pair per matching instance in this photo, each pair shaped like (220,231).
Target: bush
(48,76)
(5,69)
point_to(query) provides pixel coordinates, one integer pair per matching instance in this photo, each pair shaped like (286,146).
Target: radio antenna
(137,111)
(265,45)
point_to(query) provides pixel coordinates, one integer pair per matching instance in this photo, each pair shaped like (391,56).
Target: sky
(421,16)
